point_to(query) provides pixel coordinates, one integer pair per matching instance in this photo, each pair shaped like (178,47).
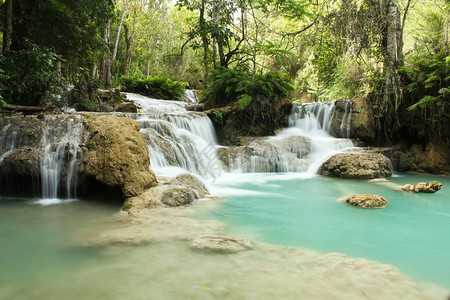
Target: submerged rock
(423,187)
(357,165)
(192,182)
(221,244)
(367,201)
(182,190)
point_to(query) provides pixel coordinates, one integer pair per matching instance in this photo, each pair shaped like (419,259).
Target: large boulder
(357,165)
(366,201)
(117,155)
(22,162)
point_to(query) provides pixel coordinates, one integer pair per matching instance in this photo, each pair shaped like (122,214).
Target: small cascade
(346,120)
(8,142)
(60,141)
(300,148)
(278,154)
(190,96)
(313,118)
(177,137)
(146,104)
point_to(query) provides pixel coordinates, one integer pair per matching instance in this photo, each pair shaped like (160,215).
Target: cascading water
(186,139)
(346,120)
(8,142)
(60,140)
(300,148)
(177,137)
(189,96)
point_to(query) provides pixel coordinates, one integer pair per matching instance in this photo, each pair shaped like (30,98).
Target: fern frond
(426,101)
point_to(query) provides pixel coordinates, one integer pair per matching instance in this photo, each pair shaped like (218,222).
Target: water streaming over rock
(60,140)
(186,140)
(7,142)
(300,148)
(177,137)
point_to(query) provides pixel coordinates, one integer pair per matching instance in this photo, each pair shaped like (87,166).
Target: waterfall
(300,148)
(185,139)
(346,120)
(60,141)
(189,96)
(177,137)
(8,142)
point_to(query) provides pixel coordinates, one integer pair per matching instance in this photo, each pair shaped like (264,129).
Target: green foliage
(292,9)
(29,77)
(348,79)
(217,117)
(157,87)
(426,101)
(72,28)
(226,86)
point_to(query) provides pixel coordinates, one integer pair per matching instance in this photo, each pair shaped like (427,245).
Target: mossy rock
(117,155)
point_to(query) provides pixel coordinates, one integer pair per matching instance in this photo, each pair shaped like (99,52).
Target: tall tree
(7,33)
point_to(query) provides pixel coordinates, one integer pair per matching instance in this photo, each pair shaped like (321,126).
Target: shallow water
(411,233)
(85,250)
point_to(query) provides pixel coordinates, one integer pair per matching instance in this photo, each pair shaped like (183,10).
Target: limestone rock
(342,111)
(434,157)
(259,154)
(367,201)
(362,121)
(179,191)
(232,122)
(24,161)
(357,165)
(192,182)
(423,187)
(220,244)
(117,155)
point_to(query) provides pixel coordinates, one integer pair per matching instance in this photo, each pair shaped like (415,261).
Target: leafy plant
(225,86)
(217,117)
(29,77)
(157,87)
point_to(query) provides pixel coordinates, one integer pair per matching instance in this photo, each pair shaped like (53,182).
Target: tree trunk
(105,76)
(7,33)
(393,53)
(202,23)
(119,29)
(129,41)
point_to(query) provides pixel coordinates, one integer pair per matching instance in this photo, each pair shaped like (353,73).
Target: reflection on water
(86,250)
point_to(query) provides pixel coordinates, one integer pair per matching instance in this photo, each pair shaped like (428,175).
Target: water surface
(411,233)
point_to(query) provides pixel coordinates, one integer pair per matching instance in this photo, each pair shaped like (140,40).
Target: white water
(186,139)
(7,142)
(61,146)
(302,147)
(189,96)
(177,137)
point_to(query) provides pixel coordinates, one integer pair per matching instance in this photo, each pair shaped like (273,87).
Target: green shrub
(225,86)
(29,77)
(157,87)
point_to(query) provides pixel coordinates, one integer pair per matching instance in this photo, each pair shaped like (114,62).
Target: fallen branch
(24,107)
